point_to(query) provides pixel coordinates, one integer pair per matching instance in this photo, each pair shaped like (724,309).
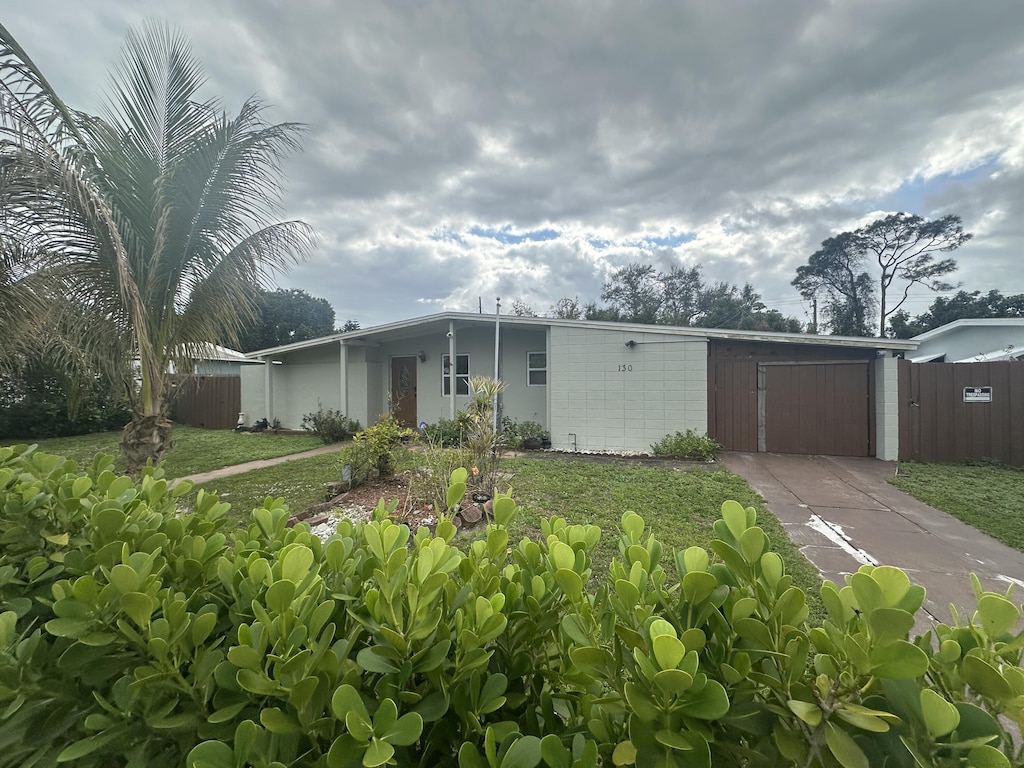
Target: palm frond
(157,222)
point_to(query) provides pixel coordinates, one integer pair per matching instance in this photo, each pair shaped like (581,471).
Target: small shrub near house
(448,433)
(686,445)
(374,451)
(330,425)
(515,433)
(132,634)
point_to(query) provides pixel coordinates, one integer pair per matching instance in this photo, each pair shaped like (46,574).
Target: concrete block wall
(607,396)
(254,404)
(887,409)
(305,380)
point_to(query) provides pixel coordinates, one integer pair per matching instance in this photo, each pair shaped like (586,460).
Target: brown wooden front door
(403,390)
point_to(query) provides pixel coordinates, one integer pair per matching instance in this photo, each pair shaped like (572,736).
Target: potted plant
(532,435)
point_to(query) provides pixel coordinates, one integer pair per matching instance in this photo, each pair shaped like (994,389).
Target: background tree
(904,248)
(284,316)
(350,325)
(157,217)
(836,274)
(681,297)
(567,309)
(726,306)
(681,294)
(522,309)
(961,305)
(634,294)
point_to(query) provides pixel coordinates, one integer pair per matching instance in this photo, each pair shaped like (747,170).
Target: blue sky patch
(672,240)
(508,237)
(919,196)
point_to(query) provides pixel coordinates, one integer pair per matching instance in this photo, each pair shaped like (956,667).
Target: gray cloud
(759,128)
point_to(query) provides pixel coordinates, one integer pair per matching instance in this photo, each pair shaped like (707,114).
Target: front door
(403,390)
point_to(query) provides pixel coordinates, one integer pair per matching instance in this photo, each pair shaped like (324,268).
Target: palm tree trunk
(148,435)
(145,437)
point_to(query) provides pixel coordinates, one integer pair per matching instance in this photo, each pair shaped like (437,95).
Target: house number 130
(625,368)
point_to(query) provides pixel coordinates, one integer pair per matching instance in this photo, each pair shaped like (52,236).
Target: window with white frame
(461,375)
(536,369)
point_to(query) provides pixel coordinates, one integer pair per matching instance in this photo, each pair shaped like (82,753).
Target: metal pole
(497,337)
(266,387)
(451,369)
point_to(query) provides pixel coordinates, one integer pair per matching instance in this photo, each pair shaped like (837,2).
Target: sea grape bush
(133,633)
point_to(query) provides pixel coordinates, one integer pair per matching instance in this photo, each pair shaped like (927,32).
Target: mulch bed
(411,510)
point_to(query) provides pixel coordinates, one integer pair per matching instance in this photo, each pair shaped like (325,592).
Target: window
(536,369)
(461,375)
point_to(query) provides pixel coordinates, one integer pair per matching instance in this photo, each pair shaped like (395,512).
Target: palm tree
(156,218)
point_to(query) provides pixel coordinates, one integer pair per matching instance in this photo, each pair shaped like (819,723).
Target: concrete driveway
(843,513)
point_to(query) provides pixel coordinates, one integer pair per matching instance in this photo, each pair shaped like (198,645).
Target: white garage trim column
(887,409)
(268,403)
(343,377)
(451,369)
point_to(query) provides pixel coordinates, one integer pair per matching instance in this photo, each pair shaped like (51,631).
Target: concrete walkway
(237,469)
(842,513)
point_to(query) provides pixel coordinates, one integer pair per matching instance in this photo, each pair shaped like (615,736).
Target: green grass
(300,482)
(195,450)
(679,504)
(990,498)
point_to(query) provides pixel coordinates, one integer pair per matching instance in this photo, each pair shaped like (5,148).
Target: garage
(784,398)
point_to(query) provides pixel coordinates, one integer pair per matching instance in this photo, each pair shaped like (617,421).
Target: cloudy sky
(475,148)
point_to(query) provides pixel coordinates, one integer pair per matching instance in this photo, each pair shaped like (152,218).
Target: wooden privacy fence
(953,412)
(212,402)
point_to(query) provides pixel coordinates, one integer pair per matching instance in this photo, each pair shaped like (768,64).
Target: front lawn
(195,450)
(990,498)
(678,502)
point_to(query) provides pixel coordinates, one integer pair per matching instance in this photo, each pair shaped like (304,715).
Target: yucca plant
(156,217)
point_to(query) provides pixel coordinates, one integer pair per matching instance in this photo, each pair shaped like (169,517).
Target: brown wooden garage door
(816,408)
(812,407)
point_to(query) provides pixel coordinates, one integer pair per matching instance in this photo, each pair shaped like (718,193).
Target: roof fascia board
(361,336)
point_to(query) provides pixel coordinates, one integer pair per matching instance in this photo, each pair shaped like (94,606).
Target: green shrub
(330,425)
(686,445)
(38,400)
(448,432)
(134,635)
(514,433)
(432,479)
(373,452)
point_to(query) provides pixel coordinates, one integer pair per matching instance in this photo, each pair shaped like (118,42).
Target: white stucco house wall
(592,385)
(971,340)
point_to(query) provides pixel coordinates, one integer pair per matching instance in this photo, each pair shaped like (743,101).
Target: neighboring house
(212,398)
(215,360)
(599,385)
(971,340)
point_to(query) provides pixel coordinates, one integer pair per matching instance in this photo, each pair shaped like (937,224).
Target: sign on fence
(977,394)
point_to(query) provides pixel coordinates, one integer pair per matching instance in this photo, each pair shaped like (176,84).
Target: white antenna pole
(497,337)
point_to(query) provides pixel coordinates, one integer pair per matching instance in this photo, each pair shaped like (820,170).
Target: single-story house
(599,385)
(972,340)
